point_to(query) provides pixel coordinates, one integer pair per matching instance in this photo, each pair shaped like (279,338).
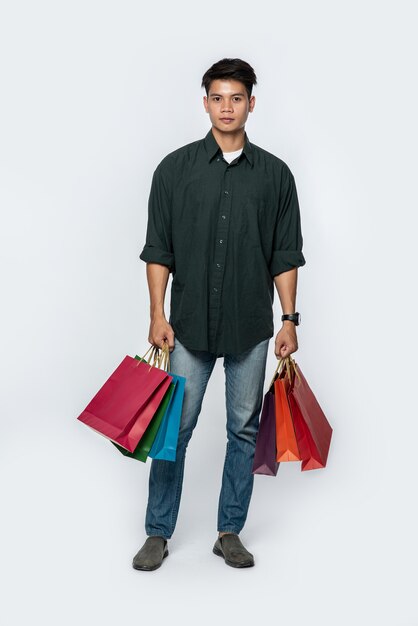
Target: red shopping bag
(313,431)
(124,406)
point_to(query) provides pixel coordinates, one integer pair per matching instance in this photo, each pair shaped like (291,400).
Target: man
(223,218)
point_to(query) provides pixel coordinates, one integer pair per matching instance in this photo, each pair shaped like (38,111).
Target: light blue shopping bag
(165,443)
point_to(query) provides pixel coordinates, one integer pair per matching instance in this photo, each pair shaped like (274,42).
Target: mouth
(227,120)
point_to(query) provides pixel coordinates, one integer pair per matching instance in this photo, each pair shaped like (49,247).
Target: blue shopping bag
(164,446)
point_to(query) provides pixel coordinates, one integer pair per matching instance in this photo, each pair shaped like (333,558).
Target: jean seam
(228,447)
(177,496)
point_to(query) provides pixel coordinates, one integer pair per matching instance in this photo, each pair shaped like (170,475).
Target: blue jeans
(244,378)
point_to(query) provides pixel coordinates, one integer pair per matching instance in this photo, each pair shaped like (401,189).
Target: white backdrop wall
(93,95)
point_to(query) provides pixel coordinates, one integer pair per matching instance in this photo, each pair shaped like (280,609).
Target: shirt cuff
(151,254)
(284,260)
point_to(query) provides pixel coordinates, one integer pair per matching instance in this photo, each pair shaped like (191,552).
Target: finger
(284,351)
(278,347)
(170,340)
(157,341)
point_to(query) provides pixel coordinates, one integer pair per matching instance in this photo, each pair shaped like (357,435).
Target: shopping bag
(123,407)
(286,443)
(143,448)
(313,430)
(265,446)
(165,442)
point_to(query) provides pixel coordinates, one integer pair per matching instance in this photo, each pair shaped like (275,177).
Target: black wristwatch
(293,317)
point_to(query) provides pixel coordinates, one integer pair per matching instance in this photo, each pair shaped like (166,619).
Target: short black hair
(235,69)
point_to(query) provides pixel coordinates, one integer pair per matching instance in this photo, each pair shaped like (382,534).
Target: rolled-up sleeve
(158,246)
(287,239)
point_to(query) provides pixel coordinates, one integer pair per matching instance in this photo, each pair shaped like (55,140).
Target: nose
(227,107)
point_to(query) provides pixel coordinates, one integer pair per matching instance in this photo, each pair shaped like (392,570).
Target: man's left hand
(286,341)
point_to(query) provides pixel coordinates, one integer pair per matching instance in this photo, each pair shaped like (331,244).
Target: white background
(93,95)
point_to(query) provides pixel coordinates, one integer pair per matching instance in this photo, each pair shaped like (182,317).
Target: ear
(205,103)
(252,103)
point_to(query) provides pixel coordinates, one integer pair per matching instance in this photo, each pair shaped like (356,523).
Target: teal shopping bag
(165,442)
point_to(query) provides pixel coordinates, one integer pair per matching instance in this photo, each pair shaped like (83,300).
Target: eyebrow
(239,93)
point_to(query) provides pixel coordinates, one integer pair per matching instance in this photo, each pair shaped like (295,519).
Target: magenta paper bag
(124,406)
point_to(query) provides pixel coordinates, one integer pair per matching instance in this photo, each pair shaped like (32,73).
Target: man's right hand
(159,331)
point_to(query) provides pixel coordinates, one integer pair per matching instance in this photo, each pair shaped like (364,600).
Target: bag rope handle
(165,357)
(290,364)
(153,359)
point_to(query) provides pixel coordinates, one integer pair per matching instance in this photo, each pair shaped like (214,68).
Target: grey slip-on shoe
(151,555)
(229,546)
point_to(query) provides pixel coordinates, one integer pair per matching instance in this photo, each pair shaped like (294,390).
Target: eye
(237,98)
(216,98)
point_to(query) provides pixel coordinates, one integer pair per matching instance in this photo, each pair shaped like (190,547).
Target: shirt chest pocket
(253,217)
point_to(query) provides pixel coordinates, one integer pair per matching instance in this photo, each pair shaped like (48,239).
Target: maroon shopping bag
(265,447)
(123,407)
(313,431)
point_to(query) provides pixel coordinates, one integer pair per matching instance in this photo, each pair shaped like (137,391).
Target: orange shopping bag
(286,443)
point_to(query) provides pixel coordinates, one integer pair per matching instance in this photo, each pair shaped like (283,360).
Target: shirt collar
(212,147)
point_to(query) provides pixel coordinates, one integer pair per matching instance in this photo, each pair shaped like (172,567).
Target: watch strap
(292,317)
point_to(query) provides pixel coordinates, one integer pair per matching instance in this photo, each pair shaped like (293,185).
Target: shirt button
(214,289)
(221,240)
(223,217)
(226,192)
(218,159)
(217,265)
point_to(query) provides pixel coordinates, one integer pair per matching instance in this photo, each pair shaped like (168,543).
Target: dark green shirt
(224,231)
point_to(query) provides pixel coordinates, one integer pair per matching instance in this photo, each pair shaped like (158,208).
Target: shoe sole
(152,568)
(231,563)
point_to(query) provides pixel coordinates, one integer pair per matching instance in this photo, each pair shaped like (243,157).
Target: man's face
(228,105)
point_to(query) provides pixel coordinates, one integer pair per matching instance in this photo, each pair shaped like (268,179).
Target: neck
(229,142)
